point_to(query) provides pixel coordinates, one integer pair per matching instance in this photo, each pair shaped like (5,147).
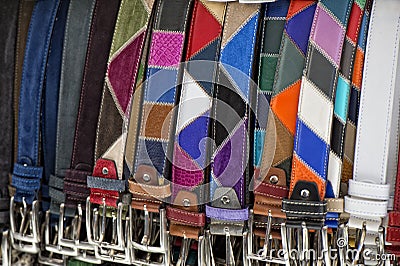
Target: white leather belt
(378,125)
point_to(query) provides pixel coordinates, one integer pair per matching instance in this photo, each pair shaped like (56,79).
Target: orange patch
(285,106)
(300,172)
(358,68)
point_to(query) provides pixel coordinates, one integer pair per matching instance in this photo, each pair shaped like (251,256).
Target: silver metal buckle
(298,238)
(231,245)
(118,248)
(21,240)
(5,249)
(151,233)
(265,253)
(69,238)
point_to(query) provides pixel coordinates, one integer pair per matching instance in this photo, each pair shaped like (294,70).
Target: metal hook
(230,259)
(183,254)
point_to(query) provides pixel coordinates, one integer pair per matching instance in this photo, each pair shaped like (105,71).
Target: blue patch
(278,8)
(161,85)
(299,27)
(340,8)
(259,137)
(237,56)
(311,149)
(362,37)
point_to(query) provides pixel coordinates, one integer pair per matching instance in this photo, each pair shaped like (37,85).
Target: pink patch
(166,49)
(123,69)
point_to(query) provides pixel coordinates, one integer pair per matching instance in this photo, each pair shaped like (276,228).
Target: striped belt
(27,173)
(150,184)
(230,172)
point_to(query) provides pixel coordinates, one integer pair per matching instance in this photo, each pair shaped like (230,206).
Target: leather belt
(393,230)
(280,76)
(24,17)
(186,213)
(73,61)
(234,94)
(354,104)
(151,171)
(27,171)
(340,112)
(314,117)
(377,139)
(49,122)
(8,18)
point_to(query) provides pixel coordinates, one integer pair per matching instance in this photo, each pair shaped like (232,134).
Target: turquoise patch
(342,98)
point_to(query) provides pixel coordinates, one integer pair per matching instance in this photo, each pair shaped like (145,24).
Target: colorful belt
(377,139)
(341,105)
(234,94)
(49,125)
(186,213)
(283,52)
(27,171)
(150,184)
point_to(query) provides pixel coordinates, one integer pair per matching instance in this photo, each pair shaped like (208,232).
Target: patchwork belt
(49,122)
(230,156)
(107,184)
(8,18)
(150,184)
(377,138)
(27,173)
(306,207)
(280,75)
(186,213)
(340,111)
(393,231)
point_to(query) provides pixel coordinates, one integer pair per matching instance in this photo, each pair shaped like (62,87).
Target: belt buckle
(20,240)
(5,249)
(118,249)
(230,248)
(300,234)
(148,240)
(69,240)
(265,253)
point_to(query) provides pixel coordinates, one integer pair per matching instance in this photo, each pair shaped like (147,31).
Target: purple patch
(166,49)
(328,34)
(123,69)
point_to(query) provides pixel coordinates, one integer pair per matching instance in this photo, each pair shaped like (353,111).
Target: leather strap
(120,82)
(230,171)
(8,20)
(285,88)
(100,37)
(186,214)
(160,95)
(50,101)
(73,61)
(315,113)
(355,92)
(27,172)
(24,17)
(340,110)
(377,135)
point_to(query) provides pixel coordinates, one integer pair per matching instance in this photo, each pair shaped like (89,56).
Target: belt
(8,18)
(341,105)
(284,53)
(306,207)
(393,231)
(108,188)
(24,17)
(73,61)
(27,171)
(356,80)
(377,139)
(151,170)
(186,213)
(49,119)
(234,94)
